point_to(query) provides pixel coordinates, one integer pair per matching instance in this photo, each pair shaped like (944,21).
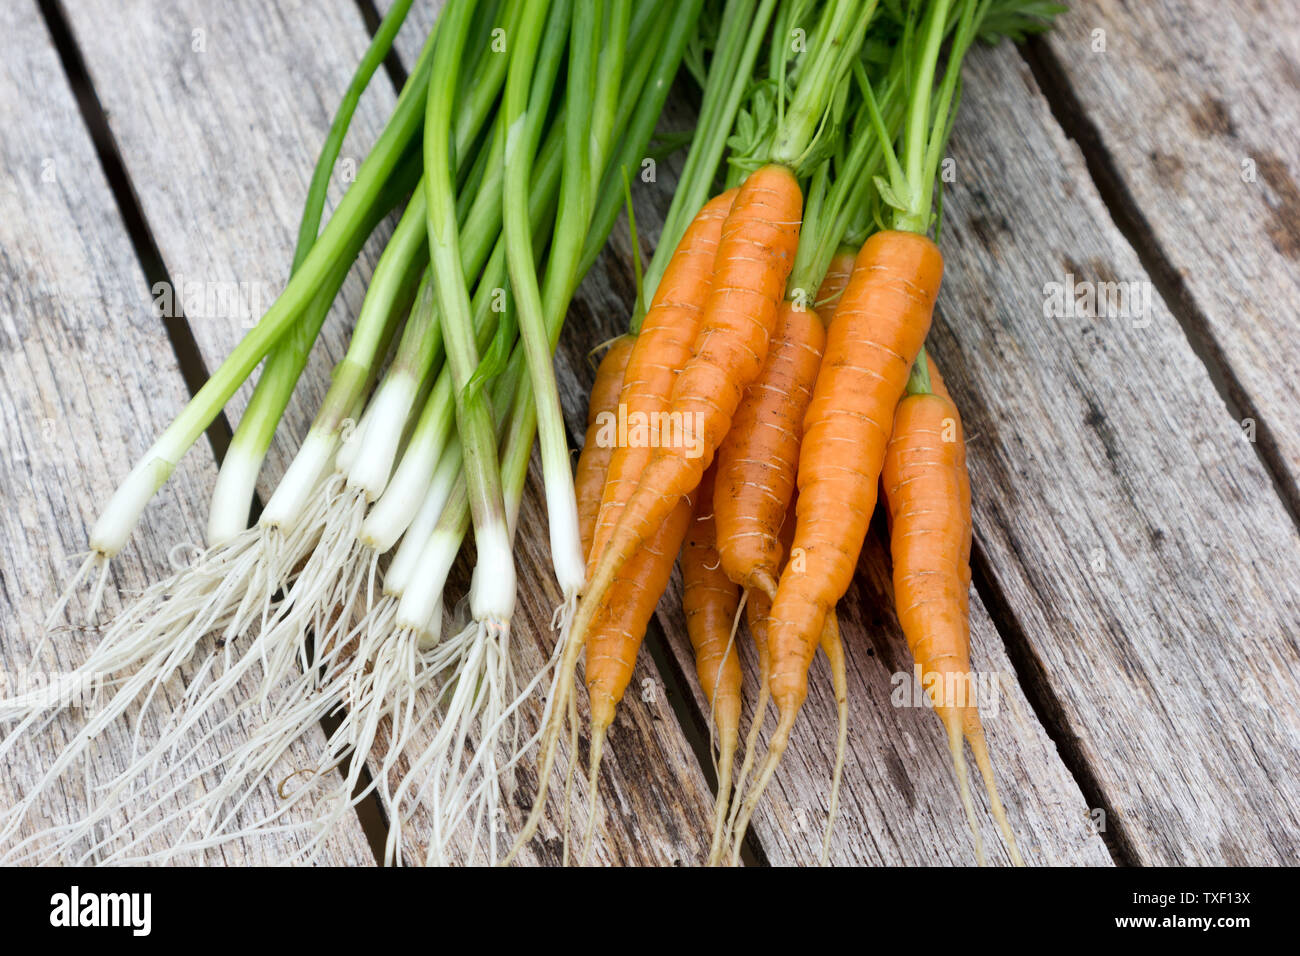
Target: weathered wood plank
(899,802)
(220,110)
(1197,105)
(1133,532)
(87,378)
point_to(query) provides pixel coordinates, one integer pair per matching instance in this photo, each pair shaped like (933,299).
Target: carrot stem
(743,29)
(918,381)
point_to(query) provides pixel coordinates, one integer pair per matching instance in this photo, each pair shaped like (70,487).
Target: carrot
(758,606)
(593,463)
(937,386)
(663,347)
(618,630)
(756,467)
(782,468)
(758,459)
(883,317)
(753,261)
(927,488)
(833,647)
(710,601)
(829,296)
(834,282)
(757,609)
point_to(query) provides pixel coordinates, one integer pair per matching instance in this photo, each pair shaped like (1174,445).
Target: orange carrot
(833,647)
(617,632)
(759,603)
(593,463)
(829,296)
(758,606)
(927,487)
(710,601)
(758,459)
(877,332)
(937,386)
(834,282)
(753,260)
(663,347)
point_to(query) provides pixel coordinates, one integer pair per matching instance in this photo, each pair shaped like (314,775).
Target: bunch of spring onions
(510,160)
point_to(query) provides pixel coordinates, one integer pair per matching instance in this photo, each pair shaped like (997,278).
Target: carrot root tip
(593,788)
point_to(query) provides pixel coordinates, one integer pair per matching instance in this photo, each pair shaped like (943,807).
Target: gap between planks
(1046,704)
(1171,286)
(193,369)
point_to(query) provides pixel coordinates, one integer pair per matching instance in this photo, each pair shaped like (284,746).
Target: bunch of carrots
(802,405)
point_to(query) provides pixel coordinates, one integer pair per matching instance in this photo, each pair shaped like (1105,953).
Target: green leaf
(887,194)
(1017,19)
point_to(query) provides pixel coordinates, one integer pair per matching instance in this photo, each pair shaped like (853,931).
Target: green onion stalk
(651,72)
(124,508)
(232,495)
(482,690)
(473,418)
(587,134)
(326,591)
(396,513)
(638,115)
(365,682)
(415,499)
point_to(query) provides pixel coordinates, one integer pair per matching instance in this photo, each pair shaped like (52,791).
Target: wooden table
(1136,468)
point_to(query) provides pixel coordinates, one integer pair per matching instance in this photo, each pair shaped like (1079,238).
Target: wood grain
(87,378)
(1196,104)
(1130,528)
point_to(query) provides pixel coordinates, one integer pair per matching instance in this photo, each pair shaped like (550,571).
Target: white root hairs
(95,563)
(230,590)
(462,789)
(471,690)
(218,786)
(262,594)
(322,599)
